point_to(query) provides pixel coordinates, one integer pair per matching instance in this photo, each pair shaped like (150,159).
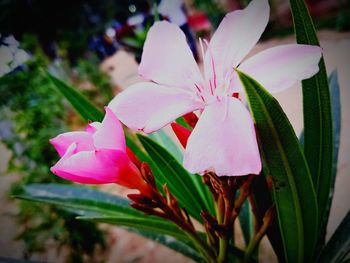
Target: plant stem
(202,247)
(254,242)
(222,249)
(224,218)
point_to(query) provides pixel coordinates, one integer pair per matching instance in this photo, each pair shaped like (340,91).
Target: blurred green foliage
(212,8)
(32,112)
(87,71)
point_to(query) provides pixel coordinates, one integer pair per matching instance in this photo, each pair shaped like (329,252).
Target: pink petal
(280,67)
(110,134)
(223,141)
(167,59)
(93,127)
(82,139)
(96,167)
(59,168)
(236,35)
(147,106)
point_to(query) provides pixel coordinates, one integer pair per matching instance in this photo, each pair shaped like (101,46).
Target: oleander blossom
(97,155)
(224,139)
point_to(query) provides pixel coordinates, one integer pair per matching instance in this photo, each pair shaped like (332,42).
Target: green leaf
(177,245)
(183,123)
(293,190)
(87,111)
(338,247)
(263,201)
(99,206)
(164,140)
(176,177)
(336,110)
(94,205)
(246,221)
(143,222)
(318,132)
(133,143)
(81,199)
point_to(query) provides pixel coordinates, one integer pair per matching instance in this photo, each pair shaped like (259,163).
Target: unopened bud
(181,133)
(191,119)
(148,175)
(133,157)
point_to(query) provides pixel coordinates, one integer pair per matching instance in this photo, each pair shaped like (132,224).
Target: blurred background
(96,45)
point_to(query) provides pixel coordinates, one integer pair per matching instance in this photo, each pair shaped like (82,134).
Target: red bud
(133,157)
(181,133)
(191,119)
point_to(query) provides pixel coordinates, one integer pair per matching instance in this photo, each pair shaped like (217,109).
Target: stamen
(212,62)
(199,91)
(211,87)
(200,96)
(198,88)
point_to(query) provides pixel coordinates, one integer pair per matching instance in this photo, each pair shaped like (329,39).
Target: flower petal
(236,35)
(110,134)
(148,106)
(223,141)
(82,139)
(280,67)
(97,167)
(167,59)
(93,127)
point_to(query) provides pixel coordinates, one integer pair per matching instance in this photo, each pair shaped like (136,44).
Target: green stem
(223,219)
(254,242)
(222,249)
(202,247)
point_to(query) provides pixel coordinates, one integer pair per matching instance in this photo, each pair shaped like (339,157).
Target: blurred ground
(127,247)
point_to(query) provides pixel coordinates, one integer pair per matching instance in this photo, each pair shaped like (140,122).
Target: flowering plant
(237,163)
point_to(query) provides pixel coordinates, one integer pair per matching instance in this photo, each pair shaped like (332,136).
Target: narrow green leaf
(293,190)
(263,201)
(246,221)
(183,123)
(172,243)
(163,139)
(87,111)
(318,132)
(338,247)
(176,177)
(336,110)
(133,143)
(145,223)
(79,198)
(94,205)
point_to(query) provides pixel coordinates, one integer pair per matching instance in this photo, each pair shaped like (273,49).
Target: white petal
(224,141)
(280,67)
(236,35)
(148,106)
(167,59)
